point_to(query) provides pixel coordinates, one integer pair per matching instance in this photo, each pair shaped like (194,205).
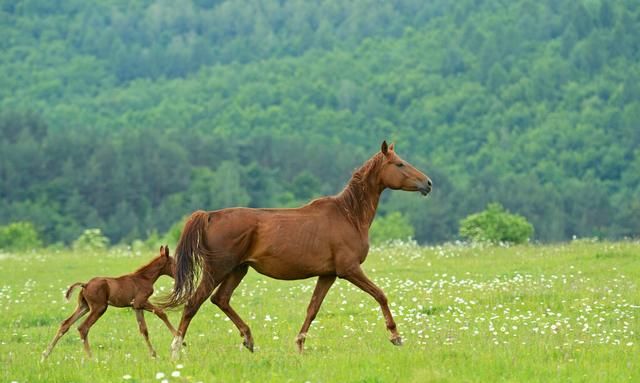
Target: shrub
(91,239)
(495,225)
(19,236)
(392,226)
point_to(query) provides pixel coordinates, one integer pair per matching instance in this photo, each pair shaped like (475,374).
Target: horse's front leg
(322,287)
(358,278)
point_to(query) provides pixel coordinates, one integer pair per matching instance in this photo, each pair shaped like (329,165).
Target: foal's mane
(148,265)
(355,198)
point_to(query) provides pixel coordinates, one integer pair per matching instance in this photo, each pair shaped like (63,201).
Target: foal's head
(167,265)
(396,173)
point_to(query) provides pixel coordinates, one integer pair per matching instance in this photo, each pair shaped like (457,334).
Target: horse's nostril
(429,182)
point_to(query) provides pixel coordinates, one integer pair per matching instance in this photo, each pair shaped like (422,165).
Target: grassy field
(480,314)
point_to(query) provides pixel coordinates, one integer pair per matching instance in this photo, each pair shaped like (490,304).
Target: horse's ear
(384,148)
(391,147)
(166,250)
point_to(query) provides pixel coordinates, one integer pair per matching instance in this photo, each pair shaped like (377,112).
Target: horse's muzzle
(425,187)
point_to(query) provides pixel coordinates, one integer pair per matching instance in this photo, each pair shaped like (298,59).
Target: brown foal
(327,238)
(131,290)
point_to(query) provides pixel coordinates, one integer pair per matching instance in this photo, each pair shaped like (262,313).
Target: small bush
(19,236)
(390,227)
(496,225)
(90,240)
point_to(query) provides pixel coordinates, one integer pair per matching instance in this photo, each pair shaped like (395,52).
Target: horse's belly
(290,266)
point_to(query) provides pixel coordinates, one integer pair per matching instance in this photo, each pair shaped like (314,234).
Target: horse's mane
(355,198)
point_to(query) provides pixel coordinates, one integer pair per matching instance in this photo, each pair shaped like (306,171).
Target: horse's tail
(188,260)
(67,295)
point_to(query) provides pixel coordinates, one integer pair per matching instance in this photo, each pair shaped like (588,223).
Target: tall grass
(528,313)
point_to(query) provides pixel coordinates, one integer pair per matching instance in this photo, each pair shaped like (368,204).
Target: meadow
(565,312)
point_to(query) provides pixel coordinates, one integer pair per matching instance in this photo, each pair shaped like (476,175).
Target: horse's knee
(190,310)
(221,301)
(382,299)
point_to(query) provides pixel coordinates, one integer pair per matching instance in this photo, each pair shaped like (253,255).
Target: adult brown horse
(327,238)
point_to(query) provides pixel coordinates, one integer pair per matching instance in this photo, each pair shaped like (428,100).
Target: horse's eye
(399,164)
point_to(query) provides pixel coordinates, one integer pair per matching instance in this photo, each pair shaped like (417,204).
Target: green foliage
(91,240)
(172,236)
(19,236)
(149,111)
(392,226)
(496,225)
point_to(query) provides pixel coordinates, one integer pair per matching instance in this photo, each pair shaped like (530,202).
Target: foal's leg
(358,278)
(222,297)
(143,330)
(322,287)
(96,312)
(66,324)
(160,314)
(203,291)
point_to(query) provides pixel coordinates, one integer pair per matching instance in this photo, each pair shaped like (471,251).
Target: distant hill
(129,115)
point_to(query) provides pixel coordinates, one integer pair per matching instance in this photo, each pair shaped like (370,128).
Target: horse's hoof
(300,342)
(175,347)
(248,345)
(397,341)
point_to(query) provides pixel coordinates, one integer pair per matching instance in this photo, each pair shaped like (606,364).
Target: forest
(127,116)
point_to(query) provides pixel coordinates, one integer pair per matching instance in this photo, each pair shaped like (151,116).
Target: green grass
(478,314)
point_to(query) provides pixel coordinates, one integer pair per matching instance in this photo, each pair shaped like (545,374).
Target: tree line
(128,116)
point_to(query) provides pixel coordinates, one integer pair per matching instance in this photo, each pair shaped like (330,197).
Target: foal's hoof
(248,344)
(397,341)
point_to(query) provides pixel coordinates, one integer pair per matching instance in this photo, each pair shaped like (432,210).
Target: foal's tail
(189,257)
(67,295)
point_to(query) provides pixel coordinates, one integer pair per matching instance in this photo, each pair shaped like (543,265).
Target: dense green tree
(127,116)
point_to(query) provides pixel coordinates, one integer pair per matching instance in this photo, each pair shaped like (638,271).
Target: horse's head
(168,267)
(396,173)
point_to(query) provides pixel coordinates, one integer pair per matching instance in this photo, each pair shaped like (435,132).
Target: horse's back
(281,243)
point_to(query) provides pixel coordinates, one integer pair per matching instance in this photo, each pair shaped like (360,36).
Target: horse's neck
(360,199)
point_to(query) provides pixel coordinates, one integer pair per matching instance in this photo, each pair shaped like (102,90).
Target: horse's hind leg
(94,315)
(322,287)
(81,310)
(222,297)
(143,330)
(204,290)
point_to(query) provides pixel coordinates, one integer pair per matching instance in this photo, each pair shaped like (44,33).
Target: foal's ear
(391,147)
(384,148)
(164,251)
